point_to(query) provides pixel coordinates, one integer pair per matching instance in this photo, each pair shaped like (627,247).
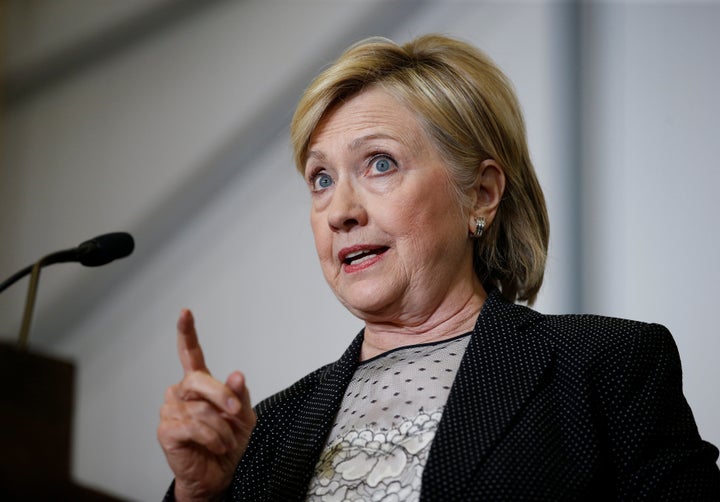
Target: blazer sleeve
(654,445)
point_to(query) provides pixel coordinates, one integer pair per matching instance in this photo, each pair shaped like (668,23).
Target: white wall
(130,144)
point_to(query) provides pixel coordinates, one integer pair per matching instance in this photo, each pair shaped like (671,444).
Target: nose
(346,210)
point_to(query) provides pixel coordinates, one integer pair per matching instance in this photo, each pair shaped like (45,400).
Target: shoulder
(592,339)
(599,334)
(613,361)
(584,347)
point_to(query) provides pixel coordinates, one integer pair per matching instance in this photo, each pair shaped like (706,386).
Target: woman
(429,224)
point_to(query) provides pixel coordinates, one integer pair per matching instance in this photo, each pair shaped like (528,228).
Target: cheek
(432,225)
(422,215)
(410,228)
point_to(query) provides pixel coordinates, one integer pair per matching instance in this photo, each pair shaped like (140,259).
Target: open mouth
(359,256)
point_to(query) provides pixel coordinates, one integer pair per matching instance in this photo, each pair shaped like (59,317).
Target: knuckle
(164,411)
(201,408)
(206,435)
(170,393)
(194,381)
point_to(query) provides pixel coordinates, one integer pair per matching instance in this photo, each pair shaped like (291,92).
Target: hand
(205,425)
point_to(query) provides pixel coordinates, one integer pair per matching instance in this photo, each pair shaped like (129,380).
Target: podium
(36,429)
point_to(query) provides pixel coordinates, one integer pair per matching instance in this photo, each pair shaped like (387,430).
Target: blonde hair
(469,109)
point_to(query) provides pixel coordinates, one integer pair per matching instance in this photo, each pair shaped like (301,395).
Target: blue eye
(382,164)
(321,181)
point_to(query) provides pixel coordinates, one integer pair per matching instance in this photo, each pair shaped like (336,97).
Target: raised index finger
(189,350)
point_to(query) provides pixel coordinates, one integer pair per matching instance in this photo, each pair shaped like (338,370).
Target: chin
(364,306)
(367,297)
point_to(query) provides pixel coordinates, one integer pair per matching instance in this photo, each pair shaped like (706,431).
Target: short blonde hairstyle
(469,109)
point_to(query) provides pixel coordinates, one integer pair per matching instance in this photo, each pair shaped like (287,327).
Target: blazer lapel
(501,369)
(295,464)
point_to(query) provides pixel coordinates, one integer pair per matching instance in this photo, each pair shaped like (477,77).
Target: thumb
(236,382)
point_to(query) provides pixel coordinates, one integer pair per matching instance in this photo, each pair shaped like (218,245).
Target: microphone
(92,253)
(105,248)
(95,252)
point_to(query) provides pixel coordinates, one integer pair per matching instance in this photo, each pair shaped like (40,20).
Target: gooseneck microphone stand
(29,306)
(34,270)
(93,253)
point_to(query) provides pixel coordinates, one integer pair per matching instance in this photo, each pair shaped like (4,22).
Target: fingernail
(233,405)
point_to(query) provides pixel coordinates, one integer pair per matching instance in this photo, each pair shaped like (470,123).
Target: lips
(357,256)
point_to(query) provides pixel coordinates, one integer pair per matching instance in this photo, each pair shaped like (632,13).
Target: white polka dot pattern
(542,408)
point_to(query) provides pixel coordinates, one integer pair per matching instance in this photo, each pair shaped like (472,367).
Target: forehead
(371,114)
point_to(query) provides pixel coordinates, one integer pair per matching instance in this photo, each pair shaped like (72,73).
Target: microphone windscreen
(105,248)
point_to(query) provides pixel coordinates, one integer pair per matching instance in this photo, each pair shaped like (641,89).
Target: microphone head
(105,248)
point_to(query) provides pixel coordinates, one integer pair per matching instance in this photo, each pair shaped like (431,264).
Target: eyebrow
(358,142)
(354,144)
(316,154)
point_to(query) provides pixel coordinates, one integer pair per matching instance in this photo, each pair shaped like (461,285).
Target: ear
(486,193)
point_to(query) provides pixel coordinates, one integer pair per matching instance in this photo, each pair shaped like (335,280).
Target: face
(391,237)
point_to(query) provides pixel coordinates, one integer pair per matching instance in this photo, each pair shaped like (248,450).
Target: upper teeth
(355,254)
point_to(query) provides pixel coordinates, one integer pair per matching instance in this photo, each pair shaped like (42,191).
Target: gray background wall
(168,119)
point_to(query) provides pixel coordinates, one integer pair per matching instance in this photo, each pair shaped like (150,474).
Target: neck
(443,322)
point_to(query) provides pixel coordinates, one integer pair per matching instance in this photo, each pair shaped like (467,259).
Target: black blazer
(542,408)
